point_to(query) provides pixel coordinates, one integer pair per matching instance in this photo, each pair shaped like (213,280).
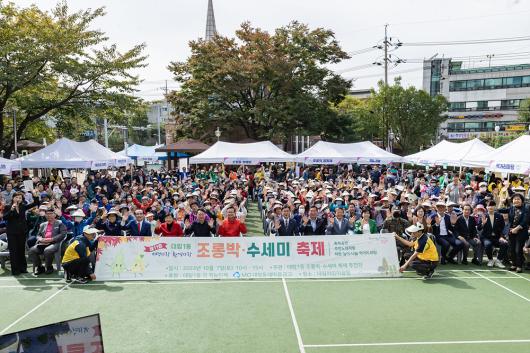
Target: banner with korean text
(167,258)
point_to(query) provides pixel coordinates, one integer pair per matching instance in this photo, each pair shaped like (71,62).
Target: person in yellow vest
(76,259)
(425,257)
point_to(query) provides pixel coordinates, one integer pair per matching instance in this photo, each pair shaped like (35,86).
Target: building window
(475,84)
(482,105)
(512,81)
(455,106)
(492,83)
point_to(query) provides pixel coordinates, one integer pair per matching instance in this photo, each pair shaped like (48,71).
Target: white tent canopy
(144,153)
(451,154)
(68,154)
(513,157)
(364,152)
(8,165)
(103,153)
(242,154)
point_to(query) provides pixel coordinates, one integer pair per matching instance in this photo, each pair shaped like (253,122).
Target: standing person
(76,259)
(49,238)
(365,225)
(425,257)
(201,227)
(339,225)
(286,226)
(15,215)
(170,227)
(455,190)
(313,225)
(518,234)
(231,226)
(138,227)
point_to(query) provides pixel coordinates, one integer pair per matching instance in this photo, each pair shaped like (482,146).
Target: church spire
(211,31)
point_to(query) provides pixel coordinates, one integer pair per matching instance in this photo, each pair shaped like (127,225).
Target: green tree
(52,64)
(524,111)
(412,115)
(354,122)
(267,85)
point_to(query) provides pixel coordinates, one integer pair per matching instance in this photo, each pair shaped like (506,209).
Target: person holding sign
(425,257)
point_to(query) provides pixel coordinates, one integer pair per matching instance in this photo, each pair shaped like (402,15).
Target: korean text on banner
(155,258)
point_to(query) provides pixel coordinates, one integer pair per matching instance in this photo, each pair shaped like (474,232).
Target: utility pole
(15,130)
(386,55)
(106,132)
(385,118)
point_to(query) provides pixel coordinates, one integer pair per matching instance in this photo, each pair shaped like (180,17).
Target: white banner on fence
(155,258)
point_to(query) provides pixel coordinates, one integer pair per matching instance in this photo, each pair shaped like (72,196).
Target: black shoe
(451,261)
(49,270)
(15,273)
(429,274)
(80,280)
(24,271)
(476,262)
(443,261)
(39,270)
(464,262)
(513,268)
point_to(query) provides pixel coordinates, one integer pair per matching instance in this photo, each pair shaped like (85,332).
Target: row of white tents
(64,153)
(514,157)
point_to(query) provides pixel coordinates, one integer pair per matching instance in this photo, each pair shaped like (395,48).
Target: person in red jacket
(146,203)
(232,227)
(170,227)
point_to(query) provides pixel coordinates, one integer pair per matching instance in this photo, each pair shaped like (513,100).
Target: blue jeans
(488,245)
(448,240)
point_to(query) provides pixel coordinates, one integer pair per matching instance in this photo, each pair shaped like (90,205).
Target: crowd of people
(437,216)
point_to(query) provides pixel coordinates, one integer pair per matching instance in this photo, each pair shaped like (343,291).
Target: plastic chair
(57,257)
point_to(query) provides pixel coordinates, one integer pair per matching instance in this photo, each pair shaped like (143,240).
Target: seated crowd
(436,216)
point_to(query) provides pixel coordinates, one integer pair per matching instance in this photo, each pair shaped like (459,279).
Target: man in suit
(139,227)
(466,231)
(339,225)
(49,237)
(443,230)
(492,225)
(313,225)
(286,226)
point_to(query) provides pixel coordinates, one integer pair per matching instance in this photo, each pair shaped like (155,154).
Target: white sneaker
(499,264)
(491,263)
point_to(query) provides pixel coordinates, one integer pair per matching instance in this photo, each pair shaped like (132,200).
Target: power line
(469,42)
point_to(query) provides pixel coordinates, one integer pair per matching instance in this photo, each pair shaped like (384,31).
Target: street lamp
(497,129)
(14,112)
(390,141)
(218,133)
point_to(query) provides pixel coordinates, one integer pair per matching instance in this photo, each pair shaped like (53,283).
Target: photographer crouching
(76,260)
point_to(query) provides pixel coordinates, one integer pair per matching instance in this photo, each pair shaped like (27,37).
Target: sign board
(165,258)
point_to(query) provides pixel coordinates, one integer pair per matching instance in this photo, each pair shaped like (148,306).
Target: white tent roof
(451,153)
(143,153)
(8,165)
(65,153)
(242,153)
(513,157)
(103,153)
(364,152)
